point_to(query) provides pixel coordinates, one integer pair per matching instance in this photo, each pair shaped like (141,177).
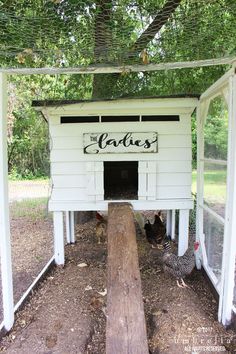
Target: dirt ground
(67,315)
(31,244)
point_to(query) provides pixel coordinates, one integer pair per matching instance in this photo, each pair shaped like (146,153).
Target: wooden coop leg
(172,233)
(58,237)
(183,231)
(170,223)
(70,227)
(67,215)
(126,327)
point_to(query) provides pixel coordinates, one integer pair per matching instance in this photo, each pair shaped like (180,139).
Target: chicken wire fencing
(215,184)
(61,33)
(31,224)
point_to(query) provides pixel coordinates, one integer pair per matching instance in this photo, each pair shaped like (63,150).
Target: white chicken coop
(137,150)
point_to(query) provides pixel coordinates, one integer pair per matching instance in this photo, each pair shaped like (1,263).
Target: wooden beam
(126,328)
(5,240)
(109,69)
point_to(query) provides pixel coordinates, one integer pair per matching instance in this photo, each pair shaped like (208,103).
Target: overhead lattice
(63,33)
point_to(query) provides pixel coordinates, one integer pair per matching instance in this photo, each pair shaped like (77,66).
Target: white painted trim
(5,240)
(215,161)
(204,259)
(34,283)
(213,214)
(58,238)
(201,113)
(183,106)
(159,204)
(106,69)
(183,231)
(218,86)
(212,277)
(228,264)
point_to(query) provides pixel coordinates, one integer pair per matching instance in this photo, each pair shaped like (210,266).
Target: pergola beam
(5,241)
(109,69)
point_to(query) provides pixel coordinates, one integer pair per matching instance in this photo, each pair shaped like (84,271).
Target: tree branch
(158,22)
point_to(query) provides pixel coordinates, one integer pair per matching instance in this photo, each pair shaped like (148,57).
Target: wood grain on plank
(126,327)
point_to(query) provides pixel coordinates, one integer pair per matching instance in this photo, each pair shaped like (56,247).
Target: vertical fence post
(5,241)
(201,112)
(229,248)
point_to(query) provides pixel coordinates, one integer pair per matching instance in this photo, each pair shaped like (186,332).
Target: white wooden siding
(165,175)
(164,154)
(170,192)
(77,168)
(73,181)
(162,128)
(165,141)
(81,194)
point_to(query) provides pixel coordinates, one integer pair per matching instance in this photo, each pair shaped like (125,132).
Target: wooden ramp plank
(126,327)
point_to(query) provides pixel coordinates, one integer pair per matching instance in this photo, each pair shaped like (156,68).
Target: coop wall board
(164,177)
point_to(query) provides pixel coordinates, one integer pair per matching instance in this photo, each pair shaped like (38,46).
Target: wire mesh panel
(216,130)
(29,191)
(214,238)
(62,33)
(215,179)
(31,233)
(215,184)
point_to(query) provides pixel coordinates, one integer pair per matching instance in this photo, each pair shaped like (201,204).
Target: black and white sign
(119,143)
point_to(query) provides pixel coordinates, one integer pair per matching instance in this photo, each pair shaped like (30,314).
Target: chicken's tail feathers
(99,217)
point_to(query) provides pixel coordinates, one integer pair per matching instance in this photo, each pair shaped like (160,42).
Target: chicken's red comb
(196,245)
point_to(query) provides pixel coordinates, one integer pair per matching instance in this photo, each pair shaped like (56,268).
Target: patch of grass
(214,185)
(33,209)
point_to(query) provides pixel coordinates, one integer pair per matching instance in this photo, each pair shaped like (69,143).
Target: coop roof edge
(57,103)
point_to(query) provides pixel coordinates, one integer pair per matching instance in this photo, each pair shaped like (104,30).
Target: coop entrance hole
(121,180)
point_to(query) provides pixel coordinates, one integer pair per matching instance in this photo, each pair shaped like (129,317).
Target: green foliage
(71,33)
(216,130)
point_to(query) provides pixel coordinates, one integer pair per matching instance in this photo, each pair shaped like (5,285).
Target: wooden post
(173,225)
(183,231)
(58,237)
(72,227)
(67,216)
(168,222)
(126,328)
(229,248)
(201,115)
(5,241)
